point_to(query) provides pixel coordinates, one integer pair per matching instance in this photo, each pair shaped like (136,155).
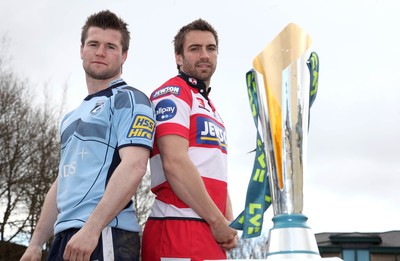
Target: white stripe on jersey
(206,167)
(108,246)
(161,209)
(213,166)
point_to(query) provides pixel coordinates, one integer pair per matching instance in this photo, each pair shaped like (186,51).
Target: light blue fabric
(91,136)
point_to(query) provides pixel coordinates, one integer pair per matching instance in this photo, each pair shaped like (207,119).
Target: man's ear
(124,57)
(81,51)
(178,59)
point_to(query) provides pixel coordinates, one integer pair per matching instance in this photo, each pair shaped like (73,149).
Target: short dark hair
(200,25)
(107,20)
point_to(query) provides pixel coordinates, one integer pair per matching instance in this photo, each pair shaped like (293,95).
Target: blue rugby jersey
(91,136)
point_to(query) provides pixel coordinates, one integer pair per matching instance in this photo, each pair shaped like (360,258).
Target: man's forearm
(189,187)
(45,226)
(229,210)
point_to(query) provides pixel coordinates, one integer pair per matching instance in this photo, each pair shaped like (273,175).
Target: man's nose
(101,51)
(204,53)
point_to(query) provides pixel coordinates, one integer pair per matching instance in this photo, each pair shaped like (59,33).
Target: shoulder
(128,94)
(175,86)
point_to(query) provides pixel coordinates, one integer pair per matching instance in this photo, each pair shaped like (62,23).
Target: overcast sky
(352,178)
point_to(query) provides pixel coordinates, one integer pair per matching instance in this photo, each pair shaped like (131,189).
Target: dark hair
(200,25)
(107,20)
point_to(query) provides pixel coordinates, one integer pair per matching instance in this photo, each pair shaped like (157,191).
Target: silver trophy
(285,78)
(283,88)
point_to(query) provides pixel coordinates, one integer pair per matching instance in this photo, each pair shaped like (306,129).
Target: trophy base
(291,238)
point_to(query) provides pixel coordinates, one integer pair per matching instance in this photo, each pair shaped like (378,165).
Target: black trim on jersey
(195,83)
(177,218)
(106,92)
(137,145)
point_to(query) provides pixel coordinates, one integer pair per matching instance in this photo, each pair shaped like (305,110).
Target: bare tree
(29,152)
(15,148)
(43,167)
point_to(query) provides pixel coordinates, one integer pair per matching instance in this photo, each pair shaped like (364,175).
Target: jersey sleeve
(134,119)
(172,105)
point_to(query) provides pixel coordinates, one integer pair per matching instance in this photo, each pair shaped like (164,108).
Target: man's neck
(207,83)
(95,85)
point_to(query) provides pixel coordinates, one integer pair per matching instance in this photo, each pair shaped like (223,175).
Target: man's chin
(204,76)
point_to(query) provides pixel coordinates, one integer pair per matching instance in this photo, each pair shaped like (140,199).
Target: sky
(352,173)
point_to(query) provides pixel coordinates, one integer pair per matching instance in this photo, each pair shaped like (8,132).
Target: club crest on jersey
(211,133)
(202,104)
(175,90)
(142,127)
(97,108)
(165,110)
(192,81)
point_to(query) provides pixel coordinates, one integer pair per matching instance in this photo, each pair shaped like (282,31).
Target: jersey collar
(116,83)
(195,83)
(107,92)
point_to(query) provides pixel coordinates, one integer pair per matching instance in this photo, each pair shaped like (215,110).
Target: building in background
(383,246)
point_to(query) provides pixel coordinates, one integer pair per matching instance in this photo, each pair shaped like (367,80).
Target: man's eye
(111,46)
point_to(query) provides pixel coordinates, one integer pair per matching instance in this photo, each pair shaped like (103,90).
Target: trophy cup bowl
(283,87)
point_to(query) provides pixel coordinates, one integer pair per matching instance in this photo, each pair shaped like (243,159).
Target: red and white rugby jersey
(183,108)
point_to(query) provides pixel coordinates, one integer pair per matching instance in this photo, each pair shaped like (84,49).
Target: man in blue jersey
(105,146)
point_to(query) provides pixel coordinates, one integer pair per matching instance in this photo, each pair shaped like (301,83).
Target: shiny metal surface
(284,122)
(283,88)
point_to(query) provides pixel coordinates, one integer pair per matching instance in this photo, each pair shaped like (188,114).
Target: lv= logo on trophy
(286,79)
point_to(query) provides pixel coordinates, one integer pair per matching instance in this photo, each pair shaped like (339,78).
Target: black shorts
(125,245)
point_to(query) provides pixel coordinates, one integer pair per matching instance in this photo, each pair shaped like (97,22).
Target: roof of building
(382,240)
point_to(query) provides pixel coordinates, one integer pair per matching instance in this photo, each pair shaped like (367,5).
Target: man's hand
(81,246)
(230,245)
(32,253)
(224,235)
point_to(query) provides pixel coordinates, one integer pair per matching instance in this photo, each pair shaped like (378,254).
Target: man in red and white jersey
(192,210)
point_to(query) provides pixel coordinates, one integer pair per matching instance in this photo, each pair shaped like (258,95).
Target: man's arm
(45,226)
(186,182)
(229,210)
(229,216)
(120,190)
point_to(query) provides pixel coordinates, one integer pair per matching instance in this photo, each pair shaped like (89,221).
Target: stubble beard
(199,73)
(101,75)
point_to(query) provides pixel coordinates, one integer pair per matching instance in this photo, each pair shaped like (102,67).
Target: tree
(28,155)
(43,166)
(15,149)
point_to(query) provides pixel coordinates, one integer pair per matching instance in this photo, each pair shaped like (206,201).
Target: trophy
(282,87)
(282,76)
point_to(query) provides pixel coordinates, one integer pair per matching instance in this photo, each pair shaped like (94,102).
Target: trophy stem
(291,238)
